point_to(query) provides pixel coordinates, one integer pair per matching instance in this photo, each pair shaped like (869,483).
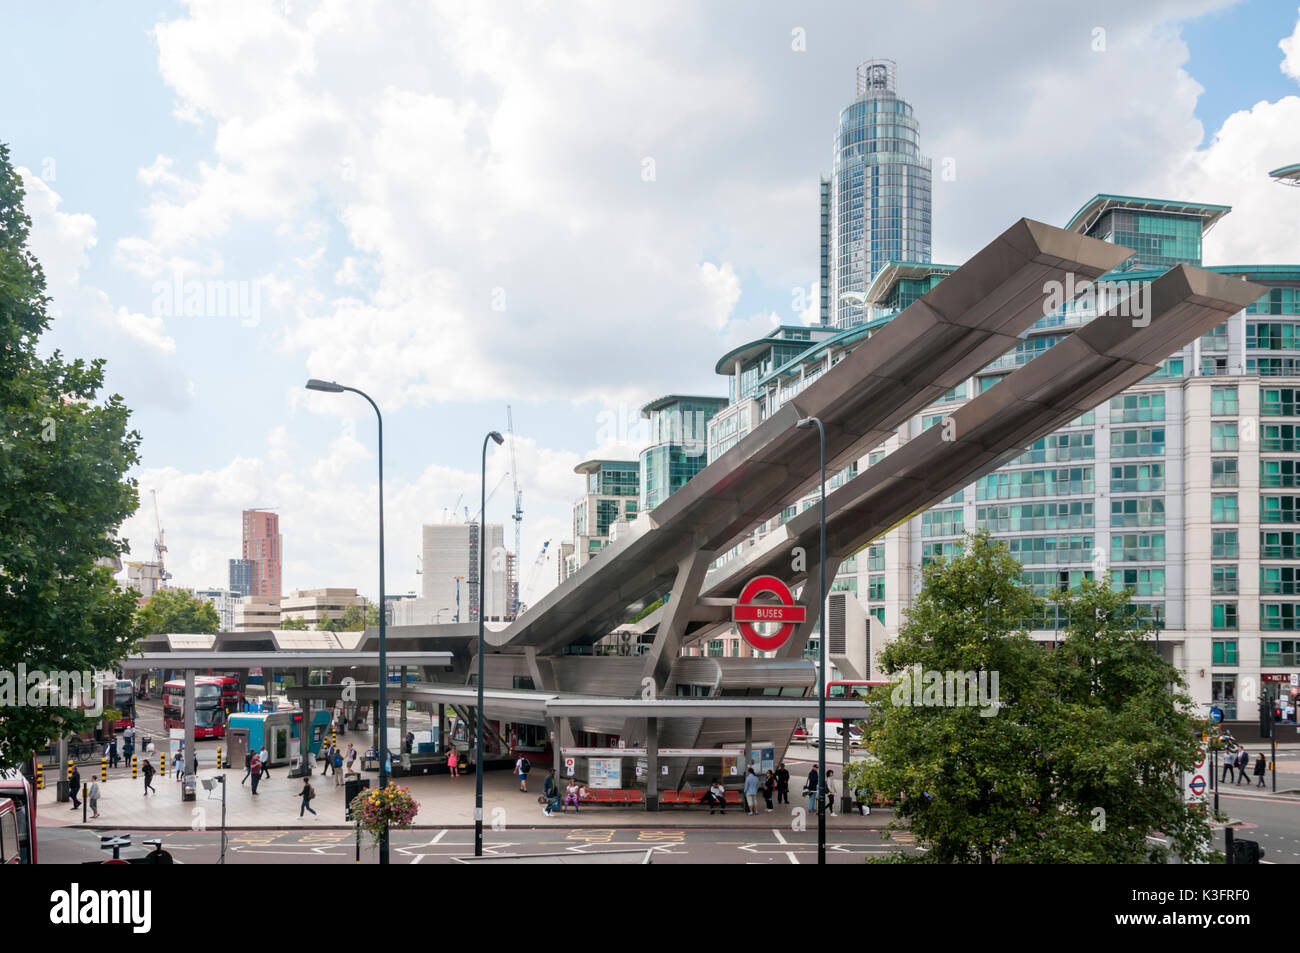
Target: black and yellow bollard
(219,764)
(40,778)
(71,768)
(103,769)
(135,766)
(162,765)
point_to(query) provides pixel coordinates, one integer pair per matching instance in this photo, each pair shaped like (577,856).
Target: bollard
(70,769)
(40,778)
(162,765)
(135,766)
(219,764)
(103,769)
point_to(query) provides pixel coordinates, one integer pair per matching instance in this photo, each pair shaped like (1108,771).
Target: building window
(878,612)
(1137,547)
(1223,437)
(1280,438)
(876,557)
(1138,478)
(1223,401)
(1223,472)
(1146,511)
(1278,402)
(1278,509)
(1277,615)
(1280,652)
(1223,615)
(1223,580)
(1143,582)
(1279,580)
(875,587)
(1223,693)
(1137,408)
(1223,544)
(941,523)
(1225,652)
(1143,442)
(1223,508)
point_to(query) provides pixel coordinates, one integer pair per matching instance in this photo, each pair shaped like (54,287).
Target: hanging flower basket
(390,807)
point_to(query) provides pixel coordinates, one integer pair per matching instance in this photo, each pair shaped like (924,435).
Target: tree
(294,624)
(353,620)
(1065,755)
(64,453)
(176,610)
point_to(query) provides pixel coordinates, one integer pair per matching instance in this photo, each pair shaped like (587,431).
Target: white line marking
(793,858)
(777,834)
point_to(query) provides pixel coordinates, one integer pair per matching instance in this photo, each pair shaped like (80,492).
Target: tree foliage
(64,453)
(176,610)
(1080,759)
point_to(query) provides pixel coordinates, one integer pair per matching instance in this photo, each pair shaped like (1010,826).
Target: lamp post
(437,619)
(805,424)
(478,720)
(330,387)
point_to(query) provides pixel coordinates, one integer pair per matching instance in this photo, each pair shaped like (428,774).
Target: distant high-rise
(449,574)
(262,545)
(241,577)
(875,208)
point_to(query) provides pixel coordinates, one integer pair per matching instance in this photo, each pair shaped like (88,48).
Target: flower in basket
(390,807)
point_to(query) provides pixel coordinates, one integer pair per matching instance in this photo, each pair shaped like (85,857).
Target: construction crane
(159,547)
(519,508)
(538,563)
(488,500)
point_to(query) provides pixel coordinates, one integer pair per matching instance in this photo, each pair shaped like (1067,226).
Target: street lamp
(478,721)
(330,387)
(807,423)
(437,619)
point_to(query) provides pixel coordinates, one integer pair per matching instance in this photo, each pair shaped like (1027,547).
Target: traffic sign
(1198,785)
(1216,714)
(745,613)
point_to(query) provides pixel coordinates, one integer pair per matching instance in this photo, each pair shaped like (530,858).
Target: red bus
(19,819)
(214,695)
(123,701)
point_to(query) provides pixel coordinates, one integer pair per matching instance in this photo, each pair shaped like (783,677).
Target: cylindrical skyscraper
(878,202)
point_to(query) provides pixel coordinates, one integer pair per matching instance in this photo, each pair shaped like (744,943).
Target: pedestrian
(453,762)
(551,792)
(255,766)
(571,796)
(830,792)
(307,793)
(112,753)
(128,749)
(1243,765)
(1229,763)
(179,763)
(769,786)
(782,784)
(521,768)
(148,773)
(74,784)
(248,766)
(94,797)
(338,767)
(328,756)
(410,742)
(715,797)
(1260,768)
(810,789)
(352,757)
(265,757)
(751,792)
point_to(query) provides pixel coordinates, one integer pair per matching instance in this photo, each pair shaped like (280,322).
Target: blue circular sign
(1216,714)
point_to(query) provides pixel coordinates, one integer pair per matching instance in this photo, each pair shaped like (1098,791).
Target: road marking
(793,858)
(777,834)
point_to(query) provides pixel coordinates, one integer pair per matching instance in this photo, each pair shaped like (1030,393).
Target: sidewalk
(445,802)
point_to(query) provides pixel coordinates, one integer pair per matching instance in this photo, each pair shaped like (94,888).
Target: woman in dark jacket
(1260,768)
(769,785)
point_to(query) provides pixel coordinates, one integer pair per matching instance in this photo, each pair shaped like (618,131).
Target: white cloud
(1290,47)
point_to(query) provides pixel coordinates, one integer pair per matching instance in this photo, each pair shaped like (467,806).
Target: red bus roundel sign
(746,612)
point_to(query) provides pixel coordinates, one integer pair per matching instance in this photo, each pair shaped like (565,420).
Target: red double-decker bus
(214,697)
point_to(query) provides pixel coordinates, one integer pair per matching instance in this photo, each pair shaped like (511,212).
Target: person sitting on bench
(715,797)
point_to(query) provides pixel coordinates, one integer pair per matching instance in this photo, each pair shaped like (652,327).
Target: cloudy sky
(568,208)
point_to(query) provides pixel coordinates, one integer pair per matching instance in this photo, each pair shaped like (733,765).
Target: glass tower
(878,200)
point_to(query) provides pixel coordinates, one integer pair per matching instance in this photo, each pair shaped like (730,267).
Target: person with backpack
(550,794)
(307,793)
(337,764)
(522,767)
(810,789)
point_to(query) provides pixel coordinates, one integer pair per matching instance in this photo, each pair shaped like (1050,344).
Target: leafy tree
(372,614)
(294,624)
(64,453)
(176,610)
(1072,762)
(353,620)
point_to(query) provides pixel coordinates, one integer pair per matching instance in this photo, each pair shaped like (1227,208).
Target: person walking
(113,756)
(1229,764)
(453,762)
(830,792)
(338,768)
(769,786)
(410,742)
(255,766)
(307,793)
(265,757)
(248,766)
(521,769)
(782,784)
(329,760)
(1243,765)
(1260,768)
(751,792)
(550,791)
(352,757)
(93,797)
(148,773)
(74,785)
(810,789)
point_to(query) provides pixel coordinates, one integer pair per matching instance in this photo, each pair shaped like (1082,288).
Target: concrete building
(257,612)
(224,602)
(263,544)
(449,567)
(875,205)
(611,492)
(241,577)
(146,577)
(310,605)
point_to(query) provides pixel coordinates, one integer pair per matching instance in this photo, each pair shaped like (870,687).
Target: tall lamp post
(478,719)
(330,387)
(808,423)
